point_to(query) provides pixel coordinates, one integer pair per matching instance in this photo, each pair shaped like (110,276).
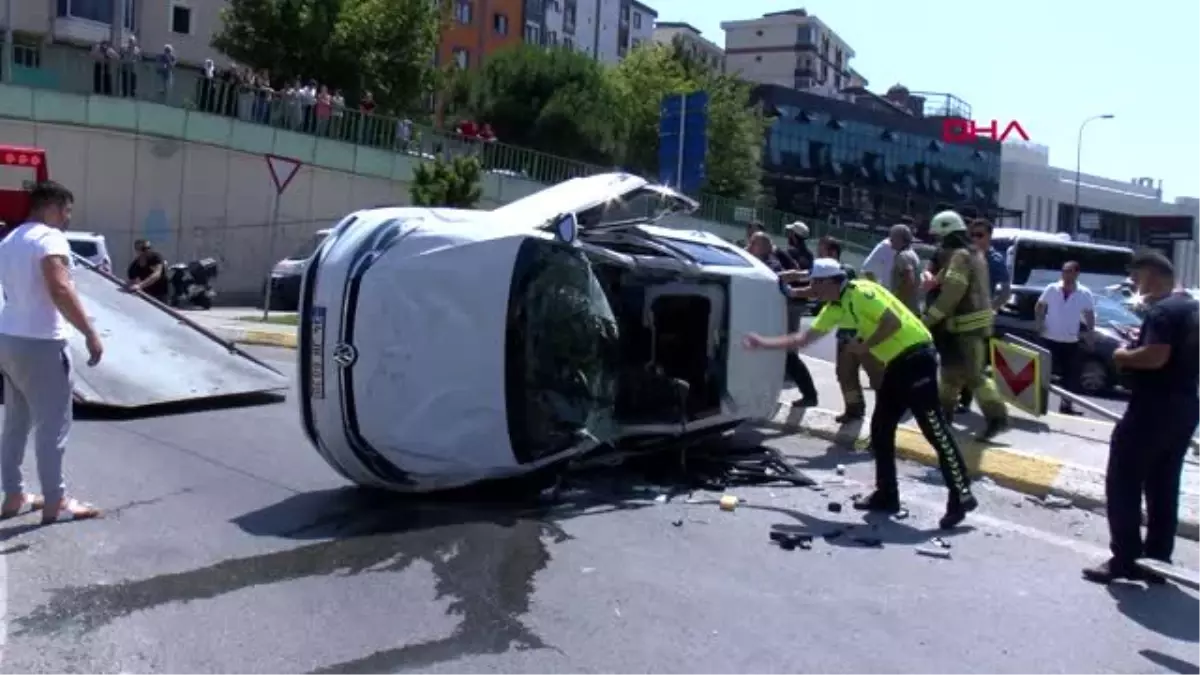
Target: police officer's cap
(799,229)
(826,268)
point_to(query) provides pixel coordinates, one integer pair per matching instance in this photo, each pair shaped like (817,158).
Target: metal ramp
(154,354)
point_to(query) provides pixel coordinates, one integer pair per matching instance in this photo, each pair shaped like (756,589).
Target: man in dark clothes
(1149,444)
(147,272)
(797,245)
(764,249)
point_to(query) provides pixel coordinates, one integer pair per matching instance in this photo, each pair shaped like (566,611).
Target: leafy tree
(553,100)
(386,46)
(735,129)
(453,183)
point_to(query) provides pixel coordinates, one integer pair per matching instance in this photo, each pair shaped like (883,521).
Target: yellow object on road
(728,502)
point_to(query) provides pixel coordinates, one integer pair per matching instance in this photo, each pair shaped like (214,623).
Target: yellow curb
(266,338)
(1034,475)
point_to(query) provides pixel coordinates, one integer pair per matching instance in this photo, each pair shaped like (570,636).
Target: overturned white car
(442,347)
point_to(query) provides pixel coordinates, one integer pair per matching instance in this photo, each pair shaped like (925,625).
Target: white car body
(91,247)
(412,362)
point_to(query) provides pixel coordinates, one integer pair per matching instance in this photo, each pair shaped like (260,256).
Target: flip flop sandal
(73,510)
(29,503)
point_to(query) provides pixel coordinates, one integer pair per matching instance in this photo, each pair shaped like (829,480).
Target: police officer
(901,342)
(1149,444)
(962,312)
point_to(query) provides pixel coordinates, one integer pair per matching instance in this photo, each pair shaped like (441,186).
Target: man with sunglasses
(148,272)
(999,282)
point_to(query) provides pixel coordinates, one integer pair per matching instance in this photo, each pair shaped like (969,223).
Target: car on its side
(443,347)
(1115,325)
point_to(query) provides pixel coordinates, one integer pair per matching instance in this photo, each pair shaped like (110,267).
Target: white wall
(606,44)
(585,26)
(644,33)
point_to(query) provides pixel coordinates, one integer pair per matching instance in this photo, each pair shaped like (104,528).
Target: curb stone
(1025,472)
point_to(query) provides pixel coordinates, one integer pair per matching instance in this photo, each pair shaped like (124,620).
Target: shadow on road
(95,413)
(1169,662)
(1166,610)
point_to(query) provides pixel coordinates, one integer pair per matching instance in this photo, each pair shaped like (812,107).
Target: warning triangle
(283,170)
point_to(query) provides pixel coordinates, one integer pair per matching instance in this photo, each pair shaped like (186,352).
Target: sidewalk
(1052,455)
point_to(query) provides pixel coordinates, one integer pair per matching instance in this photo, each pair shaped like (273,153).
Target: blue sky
(1048,63)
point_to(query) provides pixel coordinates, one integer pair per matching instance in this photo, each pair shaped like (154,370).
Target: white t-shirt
(1065,313)
(28,310)
(880,261)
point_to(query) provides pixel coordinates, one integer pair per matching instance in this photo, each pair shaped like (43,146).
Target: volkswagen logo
(345,355)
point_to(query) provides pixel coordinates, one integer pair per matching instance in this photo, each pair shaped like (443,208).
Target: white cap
(799,228)
(826,268)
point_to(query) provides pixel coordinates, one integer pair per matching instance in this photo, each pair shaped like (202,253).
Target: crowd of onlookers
(253,95)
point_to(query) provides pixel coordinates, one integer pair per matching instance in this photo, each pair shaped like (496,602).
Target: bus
(1036,258)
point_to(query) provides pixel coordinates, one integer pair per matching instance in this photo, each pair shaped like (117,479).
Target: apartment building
(791,49)
(607,29)
(186,25)
(668,32)
(480,27)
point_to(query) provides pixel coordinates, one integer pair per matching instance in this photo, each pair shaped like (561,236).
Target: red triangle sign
(283,170)
(1017,382)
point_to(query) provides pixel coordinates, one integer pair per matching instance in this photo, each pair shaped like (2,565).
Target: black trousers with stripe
(910,383)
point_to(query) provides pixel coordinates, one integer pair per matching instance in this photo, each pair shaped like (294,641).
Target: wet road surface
(230,546)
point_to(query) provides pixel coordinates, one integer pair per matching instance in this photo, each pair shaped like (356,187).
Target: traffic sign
(1022,374)
(283,170)
(683,141)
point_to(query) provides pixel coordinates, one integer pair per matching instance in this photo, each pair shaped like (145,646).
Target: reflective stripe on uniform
(971,321)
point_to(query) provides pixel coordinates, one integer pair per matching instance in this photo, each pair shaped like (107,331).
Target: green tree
(735,128)
(453,183)
(386,46)
(553,100)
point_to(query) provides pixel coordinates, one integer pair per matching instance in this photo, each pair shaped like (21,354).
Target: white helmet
(799,228)
(946,222)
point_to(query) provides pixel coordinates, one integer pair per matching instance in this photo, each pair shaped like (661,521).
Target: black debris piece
(835,507)
(677,523)
(940,543)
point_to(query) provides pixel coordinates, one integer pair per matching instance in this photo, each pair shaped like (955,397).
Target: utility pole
(6,64)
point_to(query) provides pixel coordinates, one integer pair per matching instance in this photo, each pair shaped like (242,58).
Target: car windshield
(561,352)
(1110,311)
(309,247)
(86,249)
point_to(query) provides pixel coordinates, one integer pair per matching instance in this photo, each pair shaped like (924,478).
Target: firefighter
(961,319)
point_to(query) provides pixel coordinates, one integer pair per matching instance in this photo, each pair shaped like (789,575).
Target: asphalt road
(825,350)
(229,546)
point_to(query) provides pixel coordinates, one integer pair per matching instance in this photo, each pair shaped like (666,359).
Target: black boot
(994,426)
(853,413)
(879,501)
(1111,570)
(956,511)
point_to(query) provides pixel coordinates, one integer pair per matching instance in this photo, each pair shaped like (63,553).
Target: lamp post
(1075,215)
(6,59)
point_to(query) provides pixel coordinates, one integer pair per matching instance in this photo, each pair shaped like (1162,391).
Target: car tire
(1094,377)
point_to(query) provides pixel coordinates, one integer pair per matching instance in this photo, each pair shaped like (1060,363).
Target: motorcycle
(191,283)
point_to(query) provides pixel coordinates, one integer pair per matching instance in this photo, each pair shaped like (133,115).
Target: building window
(500,24)
(637,19)
(462,11)
(27,56)
(568,43)
(462,58)
(181,19)
(569,18)
(553,6)
(99,11)
(533,34)
(552,39)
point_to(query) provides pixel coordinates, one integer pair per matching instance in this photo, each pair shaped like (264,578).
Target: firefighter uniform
(961,319)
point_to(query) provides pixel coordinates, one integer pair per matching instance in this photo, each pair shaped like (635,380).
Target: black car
(287,273)
(1115,326)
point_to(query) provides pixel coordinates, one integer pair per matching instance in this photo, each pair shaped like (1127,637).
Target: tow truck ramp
(154,354)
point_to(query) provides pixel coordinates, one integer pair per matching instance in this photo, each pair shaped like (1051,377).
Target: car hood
(579,195)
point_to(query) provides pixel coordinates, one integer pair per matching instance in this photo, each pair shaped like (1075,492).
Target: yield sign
(283,170)
(1018,374)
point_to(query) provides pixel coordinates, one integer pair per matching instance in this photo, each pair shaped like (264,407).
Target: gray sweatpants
(38,393)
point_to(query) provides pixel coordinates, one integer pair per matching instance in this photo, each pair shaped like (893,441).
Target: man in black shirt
(1150,442)
(761,247)
(147,272)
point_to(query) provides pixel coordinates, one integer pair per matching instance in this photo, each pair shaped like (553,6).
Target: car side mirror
(565,228)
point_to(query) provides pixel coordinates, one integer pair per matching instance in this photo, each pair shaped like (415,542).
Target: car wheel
(1093,377)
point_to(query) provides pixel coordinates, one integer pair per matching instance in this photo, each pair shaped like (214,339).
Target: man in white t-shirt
(1064,306)
(40,307)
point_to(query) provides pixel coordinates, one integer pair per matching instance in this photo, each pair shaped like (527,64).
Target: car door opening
(673,340)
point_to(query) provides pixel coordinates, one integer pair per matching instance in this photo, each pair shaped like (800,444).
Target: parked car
(441,347)
(1115,325)
(92,247)
(286,275)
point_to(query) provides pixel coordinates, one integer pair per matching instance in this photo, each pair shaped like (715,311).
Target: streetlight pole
(6,60)
(1075,215)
